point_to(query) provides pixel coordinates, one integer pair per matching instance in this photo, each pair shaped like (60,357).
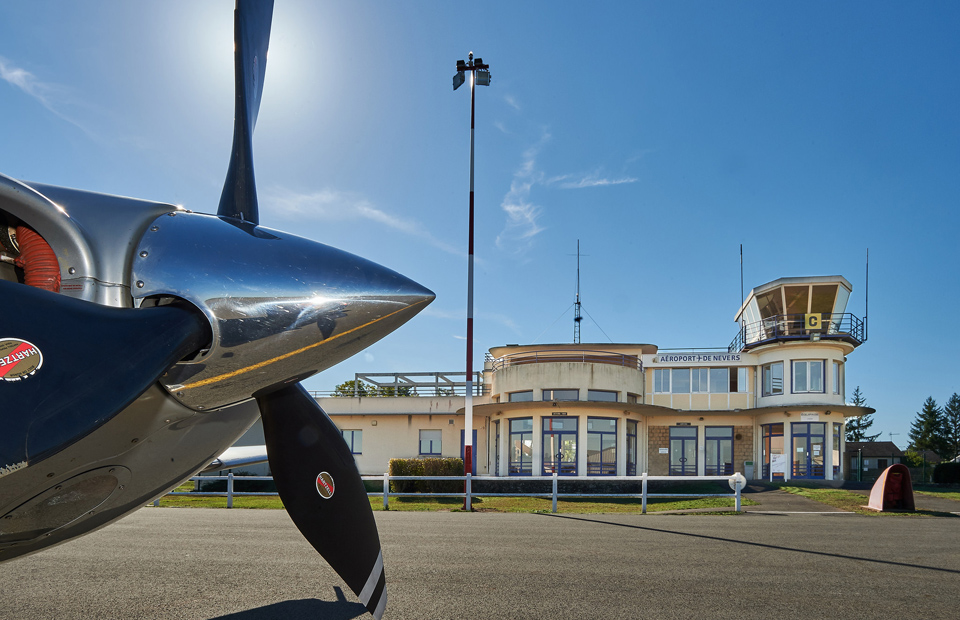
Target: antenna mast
(576,313)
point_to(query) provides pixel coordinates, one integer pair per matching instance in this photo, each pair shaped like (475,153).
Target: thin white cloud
(522,215)
(594,180)
(50,96)
(449,315)
(512,102)
(327,205)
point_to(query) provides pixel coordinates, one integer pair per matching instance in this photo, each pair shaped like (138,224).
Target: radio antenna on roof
(576,312)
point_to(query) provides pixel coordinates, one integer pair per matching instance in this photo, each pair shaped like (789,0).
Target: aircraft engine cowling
(279,305)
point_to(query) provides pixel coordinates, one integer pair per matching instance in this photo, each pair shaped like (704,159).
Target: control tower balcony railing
(845,327)
(569,355)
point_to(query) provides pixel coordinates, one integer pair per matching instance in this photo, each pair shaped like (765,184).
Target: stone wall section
(743,448)
(658,437)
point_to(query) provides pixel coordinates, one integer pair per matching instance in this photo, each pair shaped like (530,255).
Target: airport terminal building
(770,406)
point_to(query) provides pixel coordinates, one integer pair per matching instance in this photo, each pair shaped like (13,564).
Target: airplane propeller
(170,332)
(315,473)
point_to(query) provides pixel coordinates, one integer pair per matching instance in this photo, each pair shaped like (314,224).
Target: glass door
(808,449)
(560,446)
(683,451)
(718,451)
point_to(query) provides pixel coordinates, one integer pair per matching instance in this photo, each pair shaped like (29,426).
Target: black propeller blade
(68,366)
(318,481)
(252,19)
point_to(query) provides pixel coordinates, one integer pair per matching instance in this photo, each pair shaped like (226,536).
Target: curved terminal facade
(770,406)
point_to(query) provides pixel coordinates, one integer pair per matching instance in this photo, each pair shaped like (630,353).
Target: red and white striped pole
(468,412)
(484,75)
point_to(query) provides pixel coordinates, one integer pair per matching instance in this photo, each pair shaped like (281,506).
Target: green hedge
(947,473)
(426,467)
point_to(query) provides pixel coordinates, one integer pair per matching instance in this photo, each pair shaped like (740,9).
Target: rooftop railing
(830,326)
(567,355)
(422,384)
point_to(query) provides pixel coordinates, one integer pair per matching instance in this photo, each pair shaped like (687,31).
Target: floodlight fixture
(459,79)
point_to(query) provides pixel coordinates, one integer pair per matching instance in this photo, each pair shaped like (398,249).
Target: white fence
(736,482)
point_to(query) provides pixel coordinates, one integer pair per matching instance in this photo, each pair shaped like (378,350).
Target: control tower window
(808,376)
(773,379)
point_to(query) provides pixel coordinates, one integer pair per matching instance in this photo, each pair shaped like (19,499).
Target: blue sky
(662,136)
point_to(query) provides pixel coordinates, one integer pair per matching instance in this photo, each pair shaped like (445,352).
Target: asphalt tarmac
(203,564)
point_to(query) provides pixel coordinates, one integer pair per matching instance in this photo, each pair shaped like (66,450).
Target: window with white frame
(808,376)
(837,386)
(354,440)
(738,379)
(773,379)
(661,380)
(430,442)
(700,380)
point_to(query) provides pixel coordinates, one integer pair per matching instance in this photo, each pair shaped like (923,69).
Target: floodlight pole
(476,68)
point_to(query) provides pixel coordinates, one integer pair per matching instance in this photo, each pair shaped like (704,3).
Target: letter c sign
(813,321)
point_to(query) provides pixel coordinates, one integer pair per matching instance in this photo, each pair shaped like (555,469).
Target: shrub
(947,473)
(426,467)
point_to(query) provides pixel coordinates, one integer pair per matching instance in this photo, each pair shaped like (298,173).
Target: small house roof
(873,449)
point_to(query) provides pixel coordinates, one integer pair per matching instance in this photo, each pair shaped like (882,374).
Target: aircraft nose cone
(281,307)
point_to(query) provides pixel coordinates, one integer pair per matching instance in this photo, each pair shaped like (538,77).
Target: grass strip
(483,504)
(850,501)
(936,492)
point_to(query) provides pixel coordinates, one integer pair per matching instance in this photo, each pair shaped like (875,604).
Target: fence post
(230,490)
(643,494)
(386,490)
(554,491)
(467,495)
(738,495)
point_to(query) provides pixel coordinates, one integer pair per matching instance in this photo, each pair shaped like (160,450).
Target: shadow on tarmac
(752,544)
(303,609)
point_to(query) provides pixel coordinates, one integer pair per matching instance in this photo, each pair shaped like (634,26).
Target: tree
(354,388)
(857,427)
(951,419)
(359,388)
(927,430)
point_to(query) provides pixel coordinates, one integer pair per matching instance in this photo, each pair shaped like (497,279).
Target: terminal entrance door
(808,449)
(683,450)
(560,446)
